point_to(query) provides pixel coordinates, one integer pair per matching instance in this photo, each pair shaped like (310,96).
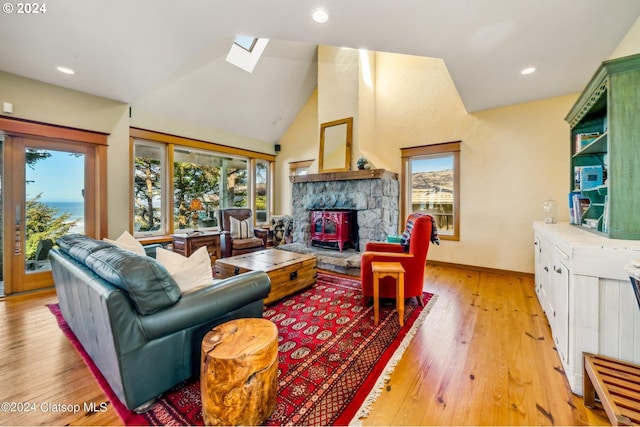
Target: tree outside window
(262,191)
(219,181)
(147,187)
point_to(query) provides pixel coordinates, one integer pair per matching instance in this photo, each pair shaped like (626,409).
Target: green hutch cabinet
(605,150)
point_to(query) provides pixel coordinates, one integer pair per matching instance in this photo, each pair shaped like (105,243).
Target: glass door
(45,200)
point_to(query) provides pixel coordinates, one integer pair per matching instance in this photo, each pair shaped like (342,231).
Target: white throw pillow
(241,229)
(128,242)
(189,273)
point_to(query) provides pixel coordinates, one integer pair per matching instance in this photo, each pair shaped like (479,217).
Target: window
(299,168)
(246,51)
(217,181)
(431,184)
(52,184)
(246,42)
(262,199)
(149,175)
(170,172)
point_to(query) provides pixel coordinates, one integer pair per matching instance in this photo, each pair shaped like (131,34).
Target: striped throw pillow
(241,229)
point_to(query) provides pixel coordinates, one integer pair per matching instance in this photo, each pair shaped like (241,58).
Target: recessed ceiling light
(320,15)
(65,70)
(528,70)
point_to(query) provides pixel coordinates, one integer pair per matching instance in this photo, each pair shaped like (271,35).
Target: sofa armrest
(384,247)
(208,303)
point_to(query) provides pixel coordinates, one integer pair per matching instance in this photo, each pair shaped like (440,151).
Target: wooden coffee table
(289,272)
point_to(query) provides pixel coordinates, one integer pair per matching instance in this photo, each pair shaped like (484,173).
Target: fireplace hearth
(345,262)
(371,197)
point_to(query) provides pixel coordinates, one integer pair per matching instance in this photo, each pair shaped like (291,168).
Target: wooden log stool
(396,271)
(239,372)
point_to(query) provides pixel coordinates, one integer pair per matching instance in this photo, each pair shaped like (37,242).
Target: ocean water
(76,209)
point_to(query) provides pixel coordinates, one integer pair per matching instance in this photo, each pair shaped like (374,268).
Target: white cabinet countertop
(591,254)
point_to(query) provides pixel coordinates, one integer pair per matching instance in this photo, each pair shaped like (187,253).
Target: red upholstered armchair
(413,261)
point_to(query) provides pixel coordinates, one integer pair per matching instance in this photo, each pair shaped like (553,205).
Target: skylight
(246,42)
(246,51)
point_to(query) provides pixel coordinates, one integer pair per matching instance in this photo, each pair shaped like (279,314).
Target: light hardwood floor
(484,356)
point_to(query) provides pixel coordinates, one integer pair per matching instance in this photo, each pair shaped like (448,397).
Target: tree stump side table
(239,372)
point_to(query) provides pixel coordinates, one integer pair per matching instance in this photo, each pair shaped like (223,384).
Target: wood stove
(329,226)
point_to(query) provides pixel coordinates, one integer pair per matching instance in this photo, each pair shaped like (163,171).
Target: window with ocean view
(54,201)
(54,181)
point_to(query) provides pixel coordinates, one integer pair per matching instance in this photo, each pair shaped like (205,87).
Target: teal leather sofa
(130,316)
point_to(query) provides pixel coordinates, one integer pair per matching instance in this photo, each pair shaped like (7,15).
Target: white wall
(630,44)
(512,159)
(299,143)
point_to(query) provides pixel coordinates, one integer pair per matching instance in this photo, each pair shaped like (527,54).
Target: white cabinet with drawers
(586,294)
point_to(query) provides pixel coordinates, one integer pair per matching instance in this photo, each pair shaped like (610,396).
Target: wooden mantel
(345,176)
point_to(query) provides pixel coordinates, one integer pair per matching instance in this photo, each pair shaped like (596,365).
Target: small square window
(246,42)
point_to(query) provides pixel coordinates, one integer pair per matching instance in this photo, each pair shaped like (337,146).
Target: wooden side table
(186,244)
(396,271)
(239,372)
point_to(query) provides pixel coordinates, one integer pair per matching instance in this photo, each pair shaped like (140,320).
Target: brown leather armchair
(413,261)
(247,239)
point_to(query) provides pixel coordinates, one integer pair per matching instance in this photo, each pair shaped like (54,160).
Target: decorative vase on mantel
(363,164)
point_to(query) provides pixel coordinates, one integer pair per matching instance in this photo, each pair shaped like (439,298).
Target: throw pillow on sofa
(146,281)
(128,242)
(189,273)
(241,229)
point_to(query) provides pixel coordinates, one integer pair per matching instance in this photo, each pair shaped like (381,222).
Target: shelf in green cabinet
(598,146)
(597,194)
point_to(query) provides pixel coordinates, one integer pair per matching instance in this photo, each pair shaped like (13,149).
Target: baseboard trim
(481,269)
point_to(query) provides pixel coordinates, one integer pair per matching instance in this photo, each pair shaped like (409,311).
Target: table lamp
(195,206)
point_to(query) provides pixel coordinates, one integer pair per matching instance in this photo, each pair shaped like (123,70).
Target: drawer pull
(293,275)
(236,271)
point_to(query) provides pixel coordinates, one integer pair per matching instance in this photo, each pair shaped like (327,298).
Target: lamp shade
(196,205)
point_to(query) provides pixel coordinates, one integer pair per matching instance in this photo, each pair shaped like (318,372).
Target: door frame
(93,145)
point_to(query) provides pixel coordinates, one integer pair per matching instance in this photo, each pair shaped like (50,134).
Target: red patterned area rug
(333,361)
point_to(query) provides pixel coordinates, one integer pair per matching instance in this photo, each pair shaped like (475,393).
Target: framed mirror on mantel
(335,146)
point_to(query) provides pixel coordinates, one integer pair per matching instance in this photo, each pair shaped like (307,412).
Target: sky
(60,178)
(432,164)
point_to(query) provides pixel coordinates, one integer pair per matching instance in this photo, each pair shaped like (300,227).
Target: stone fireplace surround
(373,195)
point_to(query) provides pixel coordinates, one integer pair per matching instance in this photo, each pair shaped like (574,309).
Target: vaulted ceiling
(168,56)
